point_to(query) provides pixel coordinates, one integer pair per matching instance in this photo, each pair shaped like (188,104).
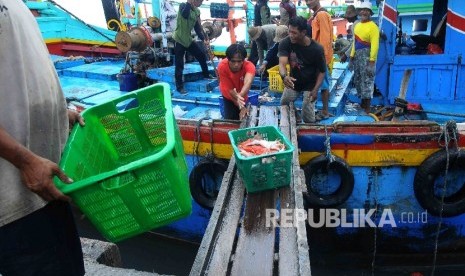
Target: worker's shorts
(326,80)
(44,242)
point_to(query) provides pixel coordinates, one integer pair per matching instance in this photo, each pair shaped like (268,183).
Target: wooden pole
(402,92)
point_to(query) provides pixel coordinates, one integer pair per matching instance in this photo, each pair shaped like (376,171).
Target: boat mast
(231,22)
(110,10)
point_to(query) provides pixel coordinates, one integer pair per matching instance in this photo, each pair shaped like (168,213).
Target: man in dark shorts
(37,231)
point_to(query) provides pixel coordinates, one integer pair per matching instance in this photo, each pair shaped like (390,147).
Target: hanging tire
(432,169)
(205,181)
(319,166)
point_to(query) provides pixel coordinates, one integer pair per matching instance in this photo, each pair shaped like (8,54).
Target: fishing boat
(67,35)
(392,165)
(401,166)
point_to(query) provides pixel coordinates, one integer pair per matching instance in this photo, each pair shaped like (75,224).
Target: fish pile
(259,146)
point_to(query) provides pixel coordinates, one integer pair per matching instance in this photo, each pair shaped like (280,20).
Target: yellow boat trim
(224,151)
(80,41)
(366,158)
(376,158)
(52,40)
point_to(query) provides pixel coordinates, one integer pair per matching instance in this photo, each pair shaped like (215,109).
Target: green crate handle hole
(127,105)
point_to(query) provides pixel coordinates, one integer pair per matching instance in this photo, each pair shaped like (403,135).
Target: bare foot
(327,114)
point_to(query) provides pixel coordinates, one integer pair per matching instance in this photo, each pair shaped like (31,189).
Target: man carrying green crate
(307,67)
(37,231)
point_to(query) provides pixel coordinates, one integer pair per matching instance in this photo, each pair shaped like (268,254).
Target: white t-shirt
(32,105)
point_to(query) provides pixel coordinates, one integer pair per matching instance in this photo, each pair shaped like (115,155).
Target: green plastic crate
(263,172)
(128,164)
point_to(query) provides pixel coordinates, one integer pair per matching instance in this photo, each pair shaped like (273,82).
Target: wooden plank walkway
(237,240)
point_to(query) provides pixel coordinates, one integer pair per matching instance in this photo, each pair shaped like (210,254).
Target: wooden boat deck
(237,240)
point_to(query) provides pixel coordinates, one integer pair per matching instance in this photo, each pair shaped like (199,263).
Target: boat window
(420,25)
(422,41)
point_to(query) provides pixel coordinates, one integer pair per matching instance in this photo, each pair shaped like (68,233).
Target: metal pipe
(159,36)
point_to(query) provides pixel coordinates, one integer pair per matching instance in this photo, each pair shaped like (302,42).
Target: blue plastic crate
(219,10)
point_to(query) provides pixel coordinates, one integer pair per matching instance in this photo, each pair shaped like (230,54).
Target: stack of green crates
(128,164)
(267,171)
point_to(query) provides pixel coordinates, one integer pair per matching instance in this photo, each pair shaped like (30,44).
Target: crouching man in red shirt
(235,76)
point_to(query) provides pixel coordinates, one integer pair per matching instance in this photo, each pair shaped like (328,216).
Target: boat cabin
(435,58)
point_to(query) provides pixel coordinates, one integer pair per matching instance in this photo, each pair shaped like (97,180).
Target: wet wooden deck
(237,240)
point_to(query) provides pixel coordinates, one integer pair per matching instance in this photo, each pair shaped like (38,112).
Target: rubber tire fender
(341,194)
(425,177)
(195,180)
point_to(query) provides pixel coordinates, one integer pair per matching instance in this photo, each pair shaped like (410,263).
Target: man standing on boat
(38,235)
(263,37)
(287,11)
(262,16)
(363,55)
(271,58)
(188,18)
(236,76)
(351,16)
(322,32)
(307,67)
